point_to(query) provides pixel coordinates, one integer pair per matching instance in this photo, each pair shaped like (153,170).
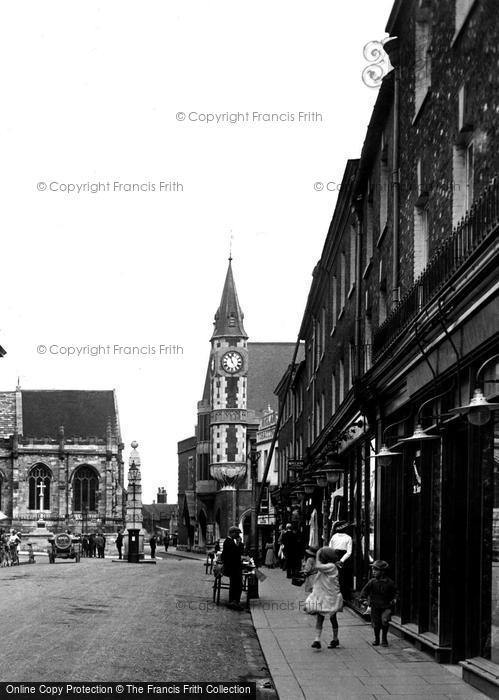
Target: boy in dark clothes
(381,593)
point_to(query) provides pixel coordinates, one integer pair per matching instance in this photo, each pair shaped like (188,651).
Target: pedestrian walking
(233,567)
(342,543)
(291,546)
(31,554)
(119,543)
(326,599)
(281,559)
(309,568)
(270,557)
(100,543)
(152,543)
(166,540)
(381,594)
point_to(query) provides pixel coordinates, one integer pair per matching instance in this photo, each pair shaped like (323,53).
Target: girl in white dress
(326,599)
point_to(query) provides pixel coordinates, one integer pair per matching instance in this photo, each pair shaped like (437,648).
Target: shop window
(490,605)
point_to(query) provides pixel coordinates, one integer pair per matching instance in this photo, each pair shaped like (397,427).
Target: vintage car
(64,546)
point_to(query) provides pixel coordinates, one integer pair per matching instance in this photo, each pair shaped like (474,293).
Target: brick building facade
(400,327)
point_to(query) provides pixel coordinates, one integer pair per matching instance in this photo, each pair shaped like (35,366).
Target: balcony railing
(481,219)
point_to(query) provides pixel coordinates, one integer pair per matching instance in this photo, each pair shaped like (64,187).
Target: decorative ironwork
(379,63)
(479,222)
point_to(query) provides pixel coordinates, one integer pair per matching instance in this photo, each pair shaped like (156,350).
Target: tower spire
(229,317)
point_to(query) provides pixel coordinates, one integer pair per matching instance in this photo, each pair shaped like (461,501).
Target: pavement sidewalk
(355,669)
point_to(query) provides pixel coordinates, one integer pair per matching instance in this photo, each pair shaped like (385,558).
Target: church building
(214,470)
(61,460)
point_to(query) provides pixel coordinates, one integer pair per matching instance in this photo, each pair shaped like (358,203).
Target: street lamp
(333,468)
(420,435)
(309,488)
(385,455)
(321,479)
(478,410)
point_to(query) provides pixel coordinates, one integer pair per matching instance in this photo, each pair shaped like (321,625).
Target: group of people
(291,551)
(93,545)
(328,577)
(9,546)
(325,598)
(153,543)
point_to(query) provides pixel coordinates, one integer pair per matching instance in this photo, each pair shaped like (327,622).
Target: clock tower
(228,391)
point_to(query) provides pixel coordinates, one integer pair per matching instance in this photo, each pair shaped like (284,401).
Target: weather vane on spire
(230,245)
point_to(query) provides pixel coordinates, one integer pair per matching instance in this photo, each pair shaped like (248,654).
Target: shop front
(439,530)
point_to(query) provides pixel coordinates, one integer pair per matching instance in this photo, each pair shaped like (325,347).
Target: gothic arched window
(39,480)
(85,487)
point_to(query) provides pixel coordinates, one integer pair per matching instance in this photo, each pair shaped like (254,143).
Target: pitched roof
(159,510)
(229,317)
(267,362)
(82,413)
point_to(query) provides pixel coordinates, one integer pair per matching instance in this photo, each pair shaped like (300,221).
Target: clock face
(232,361)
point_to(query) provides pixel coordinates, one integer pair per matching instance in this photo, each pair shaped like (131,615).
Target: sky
(137,145)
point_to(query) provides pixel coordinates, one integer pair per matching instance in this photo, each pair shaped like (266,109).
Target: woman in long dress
(270,557)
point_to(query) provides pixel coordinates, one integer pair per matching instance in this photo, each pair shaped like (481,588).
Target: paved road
(101,620)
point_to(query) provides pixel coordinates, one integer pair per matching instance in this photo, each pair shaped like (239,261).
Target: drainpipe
(392,49)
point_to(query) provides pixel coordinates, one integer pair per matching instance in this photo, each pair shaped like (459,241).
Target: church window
(85,486)
(39,488)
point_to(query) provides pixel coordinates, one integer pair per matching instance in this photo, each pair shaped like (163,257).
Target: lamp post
(134,520)
(254,457)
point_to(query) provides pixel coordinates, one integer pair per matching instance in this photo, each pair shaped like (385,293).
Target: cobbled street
(101,620)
